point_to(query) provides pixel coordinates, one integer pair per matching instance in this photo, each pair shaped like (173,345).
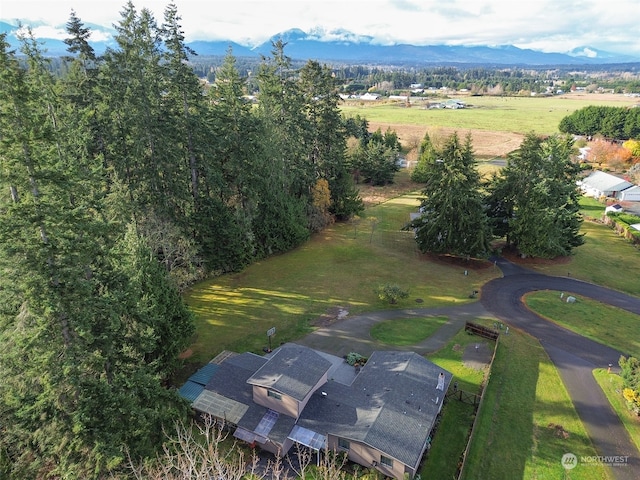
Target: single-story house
(380,414)
(602,184)
(631,194)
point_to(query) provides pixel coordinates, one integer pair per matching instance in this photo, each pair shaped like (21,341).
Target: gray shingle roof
(605,182)
(390,406)
(292,370)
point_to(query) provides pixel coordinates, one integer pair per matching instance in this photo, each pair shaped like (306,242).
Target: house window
(386,461)
(343,444)
(272,394)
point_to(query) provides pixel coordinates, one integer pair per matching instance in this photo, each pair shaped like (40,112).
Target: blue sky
(550,26)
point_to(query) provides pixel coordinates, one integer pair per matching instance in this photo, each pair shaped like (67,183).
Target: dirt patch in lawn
(331,316)
(467,264)
(477,355)
(514,256)
(186,354)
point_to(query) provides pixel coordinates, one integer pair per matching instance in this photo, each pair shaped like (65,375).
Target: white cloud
(46,31)
(542,24)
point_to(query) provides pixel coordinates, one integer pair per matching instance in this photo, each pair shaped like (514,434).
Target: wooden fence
(481,331)
(465,397)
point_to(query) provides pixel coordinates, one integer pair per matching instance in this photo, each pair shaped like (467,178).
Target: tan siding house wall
(366,456)
(286,405)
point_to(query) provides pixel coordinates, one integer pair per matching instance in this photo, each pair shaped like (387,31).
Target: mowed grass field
(505,114)
(497,124)
(526,421)
(339,267)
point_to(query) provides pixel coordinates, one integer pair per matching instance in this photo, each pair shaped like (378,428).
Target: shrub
(391,293)
(353,358)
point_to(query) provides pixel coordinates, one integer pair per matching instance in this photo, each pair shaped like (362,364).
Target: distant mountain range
(344,46)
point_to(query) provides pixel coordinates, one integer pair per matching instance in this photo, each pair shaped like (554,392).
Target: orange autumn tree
(610,154)
(320,217)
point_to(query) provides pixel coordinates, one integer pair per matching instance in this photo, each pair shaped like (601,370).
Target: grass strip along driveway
(527,420)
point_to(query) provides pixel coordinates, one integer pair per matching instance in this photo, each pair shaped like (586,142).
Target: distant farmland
(497,124)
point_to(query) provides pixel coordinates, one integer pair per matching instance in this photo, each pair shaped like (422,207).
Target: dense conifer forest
(125,179)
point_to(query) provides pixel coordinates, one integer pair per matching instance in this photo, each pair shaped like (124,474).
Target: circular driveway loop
(573,355)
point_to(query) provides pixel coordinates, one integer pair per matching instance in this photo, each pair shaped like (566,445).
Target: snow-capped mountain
(343,46)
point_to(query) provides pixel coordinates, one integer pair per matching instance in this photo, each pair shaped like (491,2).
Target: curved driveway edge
(353,334)
(574,356)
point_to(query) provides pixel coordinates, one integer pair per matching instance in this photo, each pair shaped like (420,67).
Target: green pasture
(611,385)
(506,114)
(341,266)
(526,421)
(609,325)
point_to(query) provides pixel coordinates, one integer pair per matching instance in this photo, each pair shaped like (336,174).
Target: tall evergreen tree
(376,158)
(426,157)
(134,86)
(233,173)
(536,196)
(453,220)
(281,108)
(285,191)
(326,142)
(184,99)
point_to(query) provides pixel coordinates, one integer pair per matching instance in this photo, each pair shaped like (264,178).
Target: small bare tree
(330,464)
(198,452)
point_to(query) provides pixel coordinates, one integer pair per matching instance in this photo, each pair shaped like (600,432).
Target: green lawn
(611,385)
(450,439)
(406,331)
(341,266)
(605,259)
(506,114)
(527,420)
(609,325)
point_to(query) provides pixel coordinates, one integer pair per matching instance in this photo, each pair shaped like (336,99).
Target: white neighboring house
(631,194)
(584,153)
(602,184)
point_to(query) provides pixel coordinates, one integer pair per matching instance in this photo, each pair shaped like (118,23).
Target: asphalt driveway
(574,356)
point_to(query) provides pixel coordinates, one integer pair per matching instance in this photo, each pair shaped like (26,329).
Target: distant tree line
(124,180)
(615,123)
(476,79)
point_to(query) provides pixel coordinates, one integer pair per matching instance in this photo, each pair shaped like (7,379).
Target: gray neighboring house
(381,414)
(602,184)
